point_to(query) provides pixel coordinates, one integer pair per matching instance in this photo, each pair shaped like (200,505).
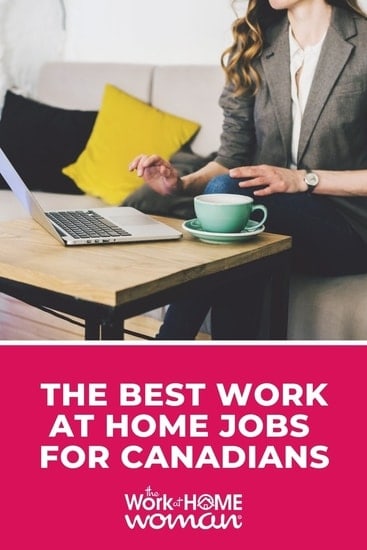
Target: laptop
(106,225)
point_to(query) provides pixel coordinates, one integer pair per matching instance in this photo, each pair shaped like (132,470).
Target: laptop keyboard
(86,224)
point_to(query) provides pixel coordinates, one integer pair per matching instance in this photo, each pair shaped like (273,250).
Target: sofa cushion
(80,84)
(192,91)
(40,139)
(124,128)
(148,201)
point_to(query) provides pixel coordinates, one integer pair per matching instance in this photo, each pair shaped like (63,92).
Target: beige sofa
(319,309)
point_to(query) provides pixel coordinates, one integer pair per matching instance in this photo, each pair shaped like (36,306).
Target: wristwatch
(311,179)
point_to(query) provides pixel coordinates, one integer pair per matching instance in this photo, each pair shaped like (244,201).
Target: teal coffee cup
(227,213)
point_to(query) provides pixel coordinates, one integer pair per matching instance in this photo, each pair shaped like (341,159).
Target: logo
(153,509)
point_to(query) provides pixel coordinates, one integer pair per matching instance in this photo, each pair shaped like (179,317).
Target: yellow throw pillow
(124,128)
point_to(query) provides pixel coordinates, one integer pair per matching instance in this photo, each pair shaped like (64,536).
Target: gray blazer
(334,126)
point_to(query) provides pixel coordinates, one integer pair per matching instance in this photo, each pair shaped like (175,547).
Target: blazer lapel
(326,74)
(275,62)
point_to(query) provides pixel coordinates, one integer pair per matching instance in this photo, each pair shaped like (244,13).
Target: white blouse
(306,60)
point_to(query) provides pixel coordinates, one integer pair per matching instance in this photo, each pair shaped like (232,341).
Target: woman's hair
(248,33)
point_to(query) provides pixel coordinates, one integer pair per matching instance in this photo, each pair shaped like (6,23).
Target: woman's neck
(309,21)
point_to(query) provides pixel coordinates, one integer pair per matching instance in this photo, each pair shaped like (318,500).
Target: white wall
(148,31)
(138,31)
(29,36)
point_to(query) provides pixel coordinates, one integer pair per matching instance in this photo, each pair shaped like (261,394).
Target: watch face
(312,179)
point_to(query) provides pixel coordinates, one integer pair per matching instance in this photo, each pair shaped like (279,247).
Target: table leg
(103,330)
(92,329)
(112,330)
(279,296)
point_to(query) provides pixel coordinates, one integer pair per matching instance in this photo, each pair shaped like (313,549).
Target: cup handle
(196,224)
(262,221)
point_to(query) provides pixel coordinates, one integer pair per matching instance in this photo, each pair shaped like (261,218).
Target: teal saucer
(194,228)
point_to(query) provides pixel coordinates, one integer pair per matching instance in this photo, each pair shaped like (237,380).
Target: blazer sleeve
(238,139)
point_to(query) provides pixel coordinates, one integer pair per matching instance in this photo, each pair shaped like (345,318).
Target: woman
(294,137)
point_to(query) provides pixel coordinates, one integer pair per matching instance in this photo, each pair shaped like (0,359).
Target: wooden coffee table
(104,285)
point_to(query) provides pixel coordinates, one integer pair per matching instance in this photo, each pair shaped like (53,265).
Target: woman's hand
(158,173)
(271,179)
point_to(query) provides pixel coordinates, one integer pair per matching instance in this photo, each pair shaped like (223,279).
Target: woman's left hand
(271,179)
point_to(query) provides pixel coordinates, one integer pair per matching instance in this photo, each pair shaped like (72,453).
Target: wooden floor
(19,321)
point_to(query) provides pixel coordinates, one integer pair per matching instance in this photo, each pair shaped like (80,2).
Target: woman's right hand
(158,173)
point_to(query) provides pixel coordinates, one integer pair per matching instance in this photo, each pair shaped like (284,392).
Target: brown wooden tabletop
(105,284)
